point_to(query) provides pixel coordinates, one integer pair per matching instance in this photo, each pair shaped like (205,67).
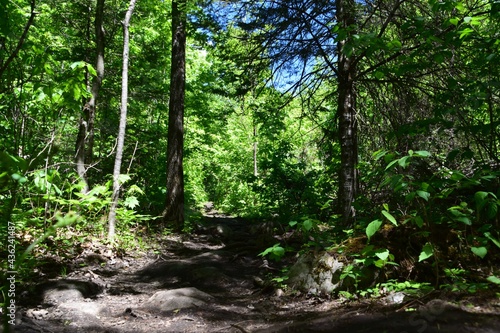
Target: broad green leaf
(123,178)
(480,198)
(383,254)
(390,217)
(19,178)
(268,250)
(424,195)
(479,251)
(404,161)
(308,224)
(131,202)
(493,279)
(427,252)
(422,153)
(278,251)
(77,64)
(292,223)
(464,219)
(372,228)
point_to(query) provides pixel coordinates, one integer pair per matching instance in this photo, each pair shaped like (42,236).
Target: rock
(38,314)
(316,274)
(60,291)
(394,298)
(168,300)
(58,296)
(91,309)
(224,231)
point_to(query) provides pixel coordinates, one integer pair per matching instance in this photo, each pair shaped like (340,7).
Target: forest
(366,132)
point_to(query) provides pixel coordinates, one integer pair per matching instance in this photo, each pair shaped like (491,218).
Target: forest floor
(105,292)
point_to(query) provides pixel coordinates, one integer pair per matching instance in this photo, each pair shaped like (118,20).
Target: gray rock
(56,292)
(57,296)
(316,274)
(168,300)
(394,298)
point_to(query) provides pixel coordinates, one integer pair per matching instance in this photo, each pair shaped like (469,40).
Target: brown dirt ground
(221,259)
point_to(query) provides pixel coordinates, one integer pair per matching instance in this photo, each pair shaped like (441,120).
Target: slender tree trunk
(174,203)
(346,111)
(85,138)
(123,123)
(255,149)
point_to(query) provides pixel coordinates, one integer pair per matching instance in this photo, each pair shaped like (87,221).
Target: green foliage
(376,257)
(427,252)
(275,252)
(426,209)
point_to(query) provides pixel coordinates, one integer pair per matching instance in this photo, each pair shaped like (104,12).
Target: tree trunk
(346,111)
(123,124)
(85,138)
(174,204)
(255,149)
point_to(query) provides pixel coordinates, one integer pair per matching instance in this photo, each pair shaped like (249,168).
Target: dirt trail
(219,259)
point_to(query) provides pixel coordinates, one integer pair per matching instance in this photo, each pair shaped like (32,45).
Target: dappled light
(250,166)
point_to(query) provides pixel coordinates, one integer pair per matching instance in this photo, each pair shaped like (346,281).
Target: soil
(106,292)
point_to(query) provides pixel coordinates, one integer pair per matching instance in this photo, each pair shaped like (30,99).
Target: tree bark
(174,203)
(346,111)
(85,138)
(123,123)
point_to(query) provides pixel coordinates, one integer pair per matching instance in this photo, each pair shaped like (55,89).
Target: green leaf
(492,210)
(418,221)
(404,161)
(390,217)
(422,153)
(77,64)
(123,178)
(479,251)
(391,164)
(465,32)
(383,254)
(308,224)
(427,252)
(275,252)
(493,279)
(372,228)
(492,239)
(464,219)
(480,197)
(424,195)
(19,178)
(131,202)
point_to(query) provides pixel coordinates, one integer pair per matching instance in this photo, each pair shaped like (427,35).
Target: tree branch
(21,40)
